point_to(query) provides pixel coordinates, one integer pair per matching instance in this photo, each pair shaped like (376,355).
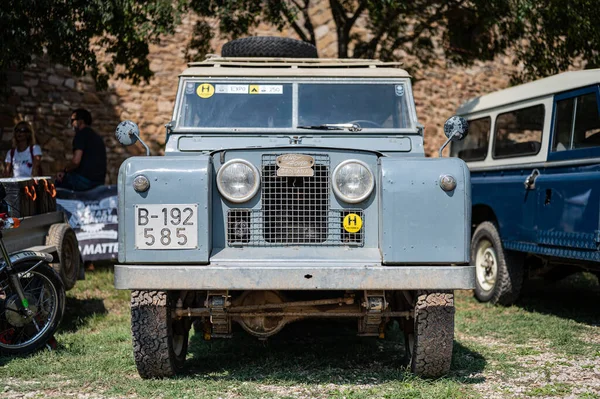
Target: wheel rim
(43,300)
(486,265)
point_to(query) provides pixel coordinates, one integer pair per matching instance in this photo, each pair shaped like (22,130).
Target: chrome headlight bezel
(340,195)
(252,192)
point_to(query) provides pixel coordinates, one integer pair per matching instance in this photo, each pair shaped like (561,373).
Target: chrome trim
(342,196)
(254,189)
(533,165)
(447,182)
(141,183)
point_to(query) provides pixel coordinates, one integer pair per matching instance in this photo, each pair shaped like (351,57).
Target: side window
(519,132)
(474,146)
(577,123)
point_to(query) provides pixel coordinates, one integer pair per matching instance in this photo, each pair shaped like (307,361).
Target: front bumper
(241,275)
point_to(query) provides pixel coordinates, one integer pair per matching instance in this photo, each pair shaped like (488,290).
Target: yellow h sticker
(254,89)
(205,90)
(352,223)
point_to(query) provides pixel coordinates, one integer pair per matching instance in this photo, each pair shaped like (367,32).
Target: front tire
(160,342)
(429,344)
(499,273)
(22,334)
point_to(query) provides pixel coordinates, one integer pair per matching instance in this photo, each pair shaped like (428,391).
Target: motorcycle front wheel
(22,333)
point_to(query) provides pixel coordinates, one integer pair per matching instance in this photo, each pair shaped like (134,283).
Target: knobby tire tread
(434,334)
(267,46)
(152,334)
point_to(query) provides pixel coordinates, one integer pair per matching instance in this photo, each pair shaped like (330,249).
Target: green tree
(72,32)
(545,36)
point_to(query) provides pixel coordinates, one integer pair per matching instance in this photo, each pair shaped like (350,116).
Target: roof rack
(275,62)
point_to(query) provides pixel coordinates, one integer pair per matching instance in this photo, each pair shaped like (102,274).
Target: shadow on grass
(575,297)
(79,311)
(309,352)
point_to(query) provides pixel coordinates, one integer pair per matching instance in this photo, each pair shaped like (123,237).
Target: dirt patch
(544,374)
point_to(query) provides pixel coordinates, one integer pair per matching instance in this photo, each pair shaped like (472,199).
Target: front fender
(25,256)
(173,180)
(420,222)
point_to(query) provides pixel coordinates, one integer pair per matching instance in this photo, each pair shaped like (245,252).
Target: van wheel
(499,273)
(160,342)
(62,236)
(429,344)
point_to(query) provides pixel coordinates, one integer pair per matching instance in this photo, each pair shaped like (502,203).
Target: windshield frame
(294,81)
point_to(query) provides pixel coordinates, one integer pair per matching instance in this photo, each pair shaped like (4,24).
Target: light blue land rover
(292,187)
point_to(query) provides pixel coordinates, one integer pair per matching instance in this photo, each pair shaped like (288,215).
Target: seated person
(87,169)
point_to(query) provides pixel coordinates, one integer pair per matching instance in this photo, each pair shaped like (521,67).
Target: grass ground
(546,346)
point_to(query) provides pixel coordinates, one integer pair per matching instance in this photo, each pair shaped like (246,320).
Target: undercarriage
(163,319)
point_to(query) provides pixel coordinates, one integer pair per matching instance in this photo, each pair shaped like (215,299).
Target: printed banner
(93,216)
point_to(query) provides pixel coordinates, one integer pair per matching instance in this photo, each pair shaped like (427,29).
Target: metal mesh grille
(246,227)
(295,211)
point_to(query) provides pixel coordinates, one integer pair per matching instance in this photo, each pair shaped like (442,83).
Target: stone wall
(45,94)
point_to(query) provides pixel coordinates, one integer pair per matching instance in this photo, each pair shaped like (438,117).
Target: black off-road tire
(429,346)
(267,46)
(159,342)
(510,267)
(62,236)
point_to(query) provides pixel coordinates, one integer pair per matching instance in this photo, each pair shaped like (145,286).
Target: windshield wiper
(352,127)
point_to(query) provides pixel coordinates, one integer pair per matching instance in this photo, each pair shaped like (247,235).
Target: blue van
(534,155)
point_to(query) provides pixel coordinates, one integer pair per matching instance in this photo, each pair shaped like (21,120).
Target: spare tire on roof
(268,46)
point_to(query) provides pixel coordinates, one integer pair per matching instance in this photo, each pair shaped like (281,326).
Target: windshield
(267,105)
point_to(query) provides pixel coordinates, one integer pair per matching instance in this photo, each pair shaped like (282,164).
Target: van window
(519,132)
(577,123)
(474,146)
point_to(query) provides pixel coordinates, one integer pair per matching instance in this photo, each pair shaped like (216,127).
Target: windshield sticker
(205,90)
(231,89)
(266,89)
(189,88)
(399,90)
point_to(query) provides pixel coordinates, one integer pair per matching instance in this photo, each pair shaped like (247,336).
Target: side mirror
(128,133)
(456,128)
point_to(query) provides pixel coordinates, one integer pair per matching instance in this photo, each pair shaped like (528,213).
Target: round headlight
(352,181)
(238,180)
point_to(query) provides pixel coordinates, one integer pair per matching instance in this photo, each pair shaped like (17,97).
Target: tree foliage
(72,32)
(545,37)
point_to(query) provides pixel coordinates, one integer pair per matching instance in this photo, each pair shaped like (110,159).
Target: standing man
(87,169)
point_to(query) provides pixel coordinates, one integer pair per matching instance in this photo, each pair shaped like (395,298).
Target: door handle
(530,180)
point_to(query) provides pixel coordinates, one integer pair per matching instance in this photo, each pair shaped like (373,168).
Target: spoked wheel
(22,333)
(430,339)
(499,272)
(160,341)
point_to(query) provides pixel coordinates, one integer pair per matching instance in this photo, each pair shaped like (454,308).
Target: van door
(517,135)
(568,189)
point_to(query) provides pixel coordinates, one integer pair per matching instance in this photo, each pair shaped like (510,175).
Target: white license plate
(169,226)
